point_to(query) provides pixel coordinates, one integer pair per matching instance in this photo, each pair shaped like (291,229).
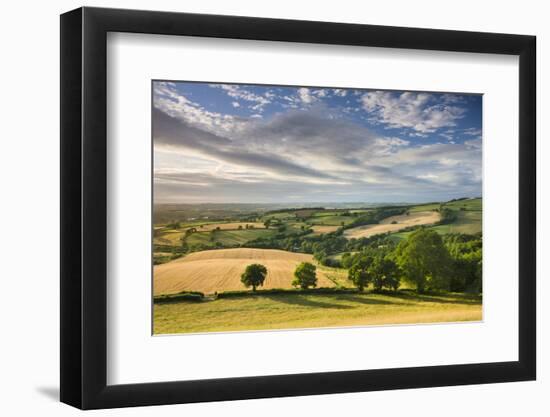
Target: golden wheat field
(402,221)
(220,270)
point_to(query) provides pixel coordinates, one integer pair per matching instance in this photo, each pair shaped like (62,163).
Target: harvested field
(403,221)
(317,230)
(220,270)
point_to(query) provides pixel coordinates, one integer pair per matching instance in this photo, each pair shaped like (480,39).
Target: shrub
(193,296)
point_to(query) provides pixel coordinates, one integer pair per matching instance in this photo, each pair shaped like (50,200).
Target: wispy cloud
(236,92)
(418,111)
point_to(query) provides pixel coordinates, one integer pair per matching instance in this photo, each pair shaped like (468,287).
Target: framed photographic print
(258,208)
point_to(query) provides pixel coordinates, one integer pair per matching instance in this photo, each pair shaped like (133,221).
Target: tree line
(425,260)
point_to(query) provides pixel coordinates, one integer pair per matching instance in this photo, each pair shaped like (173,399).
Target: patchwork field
(211,257)
(228,237)
(308,310)
(468,222)
(220,270)
(394,224)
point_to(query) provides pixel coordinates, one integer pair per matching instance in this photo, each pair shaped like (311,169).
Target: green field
(279,216)
(294,310)
(474,204)
(469,218)
(424,207)
(228,237)
(468,222)
(330,220)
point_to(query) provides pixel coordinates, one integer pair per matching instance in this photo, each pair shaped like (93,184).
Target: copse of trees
(305,276)
(375,266)
(327,244)
(360,273)
(447,215)
(254,276)
(189,232)
(374,216)
(424,260)
(386,273)
(466,253)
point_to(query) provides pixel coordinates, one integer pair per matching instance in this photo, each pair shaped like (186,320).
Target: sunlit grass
(286,311)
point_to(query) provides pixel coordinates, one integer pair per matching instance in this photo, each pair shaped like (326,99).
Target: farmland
(220,270)
(204,250)
(394,224)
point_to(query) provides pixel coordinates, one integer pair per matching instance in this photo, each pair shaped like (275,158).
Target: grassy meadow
(295,310)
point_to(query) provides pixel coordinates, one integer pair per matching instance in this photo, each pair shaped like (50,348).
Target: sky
(238,143)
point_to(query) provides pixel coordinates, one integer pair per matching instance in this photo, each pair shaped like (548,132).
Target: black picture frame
(84,207)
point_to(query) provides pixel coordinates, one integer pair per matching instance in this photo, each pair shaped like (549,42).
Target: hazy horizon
(309,203)
(235,144)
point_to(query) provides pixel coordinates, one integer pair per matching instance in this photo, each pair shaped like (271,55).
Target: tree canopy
(305,276)
(386,273)
(254,276)
(424,260)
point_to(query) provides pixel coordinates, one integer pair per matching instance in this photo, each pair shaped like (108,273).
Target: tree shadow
(466,299)
(302,300)
(364,299)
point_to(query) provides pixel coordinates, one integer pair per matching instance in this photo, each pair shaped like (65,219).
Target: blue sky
(237,143)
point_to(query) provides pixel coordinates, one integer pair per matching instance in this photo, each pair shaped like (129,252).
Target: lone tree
(305,276)
(267,223)
(424,260)
(254,276)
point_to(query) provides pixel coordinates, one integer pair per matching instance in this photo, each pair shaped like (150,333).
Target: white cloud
(237,92)
(305,95)
(235,104)
(410,110)
(320,93)
(339,92)
(167,99)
